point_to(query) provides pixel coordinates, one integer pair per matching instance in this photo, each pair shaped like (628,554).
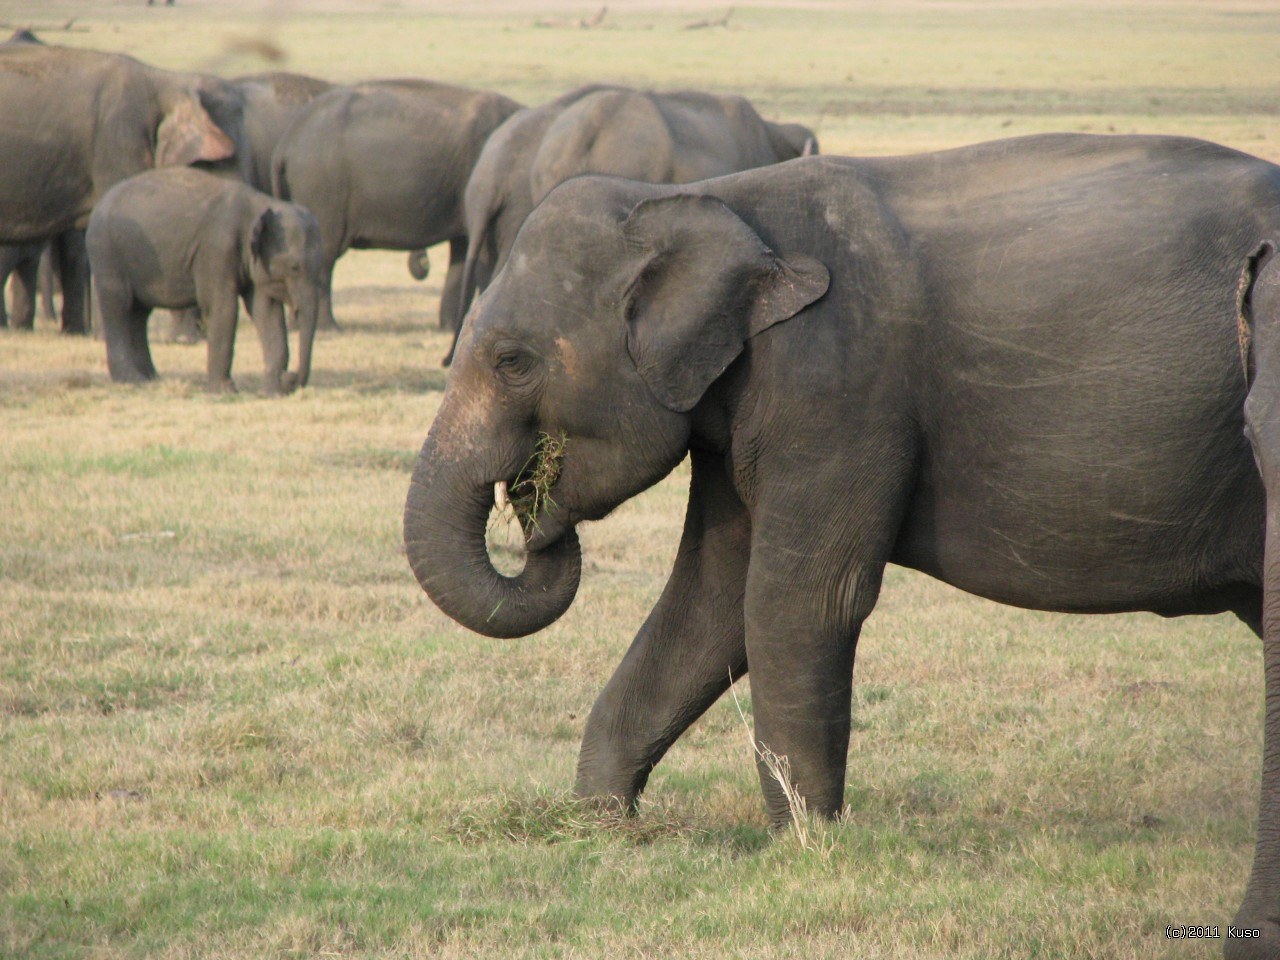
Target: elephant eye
(514,365)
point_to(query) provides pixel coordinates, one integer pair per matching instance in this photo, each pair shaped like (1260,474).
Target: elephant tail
(467,293)
(481,241)
(280,179)
(1244,305)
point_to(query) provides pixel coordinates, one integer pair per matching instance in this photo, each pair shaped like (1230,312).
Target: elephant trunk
(445,517)
(306,313)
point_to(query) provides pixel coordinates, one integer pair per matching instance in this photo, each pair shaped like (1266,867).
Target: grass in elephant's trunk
(530,495)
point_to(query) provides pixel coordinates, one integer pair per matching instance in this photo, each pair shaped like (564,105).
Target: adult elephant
(79,121)
(384,165)
(1020,367)
(642,135)
(271,102)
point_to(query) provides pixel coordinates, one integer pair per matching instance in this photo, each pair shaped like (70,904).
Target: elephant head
(620,305)
(287,263)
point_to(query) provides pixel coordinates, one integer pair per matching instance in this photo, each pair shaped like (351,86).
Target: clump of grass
(530,495)
(547,818)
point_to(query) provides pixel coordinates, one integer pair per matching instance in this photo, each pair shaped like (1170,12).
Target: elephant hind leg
(124,325)
(1260,312)
(22,292)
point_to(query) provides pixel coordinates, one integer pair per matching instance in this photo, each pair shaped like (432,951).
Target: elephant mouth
(531,494)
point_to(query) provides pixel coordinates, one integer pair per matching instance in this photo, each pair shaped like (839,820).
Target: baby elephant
(179,238)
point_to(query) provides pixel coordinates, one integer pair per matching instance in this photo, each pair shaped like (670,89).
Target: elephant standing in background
(77,122)
(271,102)
(654,137)
(186,238)
(499,196)
(384,165)
(1044,370)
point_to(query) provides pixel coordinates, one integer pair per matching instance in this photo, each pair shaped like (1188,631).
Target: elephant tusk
(500,494)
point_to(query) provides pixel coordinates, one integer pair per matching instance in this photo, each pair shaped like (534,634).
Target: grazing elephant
(186,238)
(78,121)
(1020,367)
(655,137)
(384,165)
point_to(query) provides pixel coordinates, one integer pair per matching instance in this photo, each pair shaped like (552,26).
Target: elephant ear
(703,283)
(188,135)
(260,237)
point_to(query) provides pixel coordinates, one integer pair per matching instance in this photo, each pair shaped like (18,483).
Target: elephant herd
(1045,370)
(400,164)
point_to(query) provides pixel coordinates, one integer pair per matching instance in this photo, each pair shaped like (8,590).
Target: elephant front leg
(220,316)
(682,659)
(802,682)
(817,560)
(268,317)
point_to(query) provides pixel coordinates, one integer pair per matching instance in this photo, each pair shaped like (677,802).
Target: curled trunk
(445,517)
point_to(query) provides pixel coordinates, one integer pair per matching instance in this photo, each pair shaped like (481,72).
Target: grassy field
(231,725)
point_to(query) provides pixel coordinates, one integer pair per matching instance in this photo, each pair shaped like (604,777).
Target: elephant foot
(607,806)
(287,384)
(1251,938)
(131,375)
(615,791)
(220,386)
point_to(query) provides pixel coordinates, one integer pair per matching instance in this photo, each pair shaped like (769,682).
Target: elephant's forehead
(571,222)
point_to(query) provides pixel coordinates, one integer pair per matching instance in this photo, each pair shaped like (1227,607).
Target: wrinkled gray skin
(79,121)
(1014,366)
(186,238)
(655,137)
(384,165)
